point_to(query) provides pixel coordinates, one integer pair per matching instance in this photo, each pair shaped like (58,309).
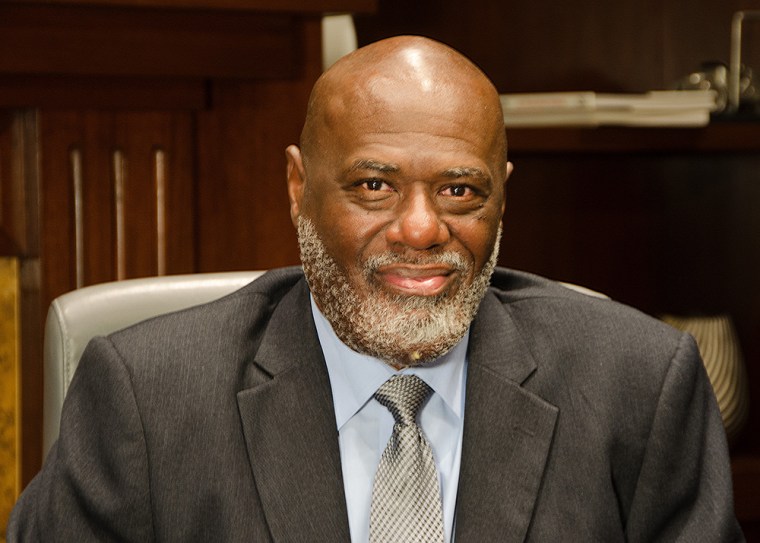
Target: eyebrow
(465,171)
(369,164)
(457,172)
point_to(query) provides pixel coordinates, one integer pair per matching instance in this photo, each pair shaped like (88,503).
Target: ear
(510,169)
(296,181)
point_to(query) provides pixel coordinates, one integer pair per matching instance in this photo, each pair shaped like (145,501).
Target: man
(553,416)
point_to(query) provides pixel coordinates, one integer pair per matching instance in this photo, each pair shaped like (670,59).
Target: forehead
(416,154)
(381,99)
(403,125)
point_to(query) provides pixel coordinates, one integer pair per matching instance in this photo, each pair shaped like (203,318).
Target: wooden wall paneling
(8,208)
(19,223)
(94,92)
(102,175)
(243,206)
(550,45)
(70,143)
(242,201)
(18,230)
(567,214)
(14,243)
(538,46)
(75,40)
(157,153)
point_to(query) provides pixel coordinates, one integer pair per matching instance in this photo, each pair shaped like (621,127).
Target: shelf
(717,137)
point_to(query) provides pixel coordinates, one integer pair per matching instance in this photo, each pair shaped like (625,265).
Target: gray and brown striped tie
(406,497)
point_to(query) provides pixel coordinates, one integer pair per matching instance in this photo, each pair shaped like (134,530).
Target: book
(586,108)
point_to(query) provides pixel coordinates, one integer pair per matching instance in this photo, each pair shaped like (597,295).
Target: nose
(419,224)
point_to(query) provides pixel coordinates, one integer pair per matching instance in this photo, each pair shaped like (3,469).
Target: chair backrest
(78,316)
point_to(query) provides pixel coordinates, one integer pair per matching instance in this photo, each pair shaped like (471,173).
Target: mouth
(416,280)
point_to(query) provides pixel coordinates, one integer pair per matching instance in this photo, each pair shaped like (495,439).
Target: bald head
(405,76)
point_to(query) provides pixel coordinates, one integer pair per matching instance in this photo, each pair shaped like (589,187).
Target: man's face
(399,212)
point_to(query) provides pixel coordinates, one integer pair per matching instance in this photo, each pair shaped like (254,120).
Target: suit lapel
(289,426)
(507,433)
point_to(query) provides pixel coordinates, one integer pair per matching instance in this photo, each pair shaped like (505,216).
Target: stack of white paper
(586,108)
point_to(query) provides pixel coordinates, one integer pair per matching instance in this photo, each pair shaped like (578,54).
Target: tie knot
(403,395)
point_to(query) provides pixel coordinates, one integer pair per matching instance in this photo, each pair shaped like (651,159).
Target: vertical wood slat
(77,187)
(159,161)
(119,168)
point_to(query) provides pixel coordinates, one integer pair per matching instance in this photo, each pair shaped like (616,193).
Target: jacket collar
(290,432)
(508,432)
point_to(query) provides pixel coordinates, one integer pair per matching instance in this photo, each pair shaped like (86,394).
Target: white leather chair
(78,316)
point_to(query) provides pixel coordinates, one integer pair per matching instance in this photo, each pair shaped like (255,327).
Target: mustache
(447,258)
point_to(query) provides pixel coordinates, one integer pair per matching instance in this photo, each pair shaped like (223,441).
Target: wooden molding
(288,6)
(71,92)
(716,137)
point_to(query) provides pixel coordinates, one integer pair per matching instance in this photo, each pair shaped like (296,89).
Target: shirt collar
(355,377)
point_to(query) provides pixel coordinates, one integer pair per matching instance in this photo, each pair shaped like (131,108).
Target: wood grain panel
(19,180)
(242,206)
(17,236)
(74,40)
(10,414)
(550,45)
(8,207)
(107,162)
(68,92)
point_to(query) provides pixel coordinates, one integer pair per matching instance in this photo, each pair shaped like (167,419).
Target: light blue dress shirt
(364,426)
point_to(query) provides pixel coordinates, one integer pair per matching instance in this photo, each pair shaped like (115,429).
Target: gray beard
(402,330)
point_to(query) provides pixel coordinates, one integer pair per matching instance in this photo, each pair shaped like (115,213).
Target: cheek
(478,238)
(349,238)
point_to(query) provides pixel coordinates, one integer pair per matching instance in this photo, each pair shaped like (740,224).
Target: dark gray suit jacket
(584,421)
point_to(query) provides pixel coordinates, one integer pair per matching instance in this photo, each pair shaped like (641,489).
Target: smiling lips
(416,280)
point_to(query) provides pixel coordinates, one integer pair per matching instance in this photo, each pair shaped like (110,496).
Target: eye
(372,190)
(458,191)
(372,184)
(375,184)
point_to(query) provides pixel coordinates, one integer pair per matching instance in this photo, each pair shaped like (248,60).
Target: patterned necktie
(406,500)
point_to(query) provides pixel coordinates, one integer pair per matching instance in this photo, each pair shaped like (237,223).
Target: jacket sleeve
(684,490)
(94,485)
